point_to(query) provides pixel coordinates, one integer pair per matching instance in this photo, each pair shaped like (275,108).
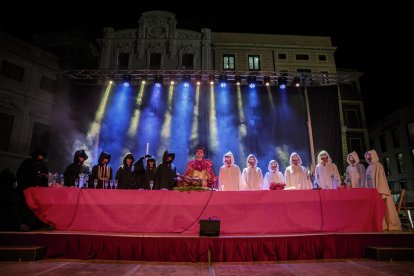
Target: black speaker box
(209,227)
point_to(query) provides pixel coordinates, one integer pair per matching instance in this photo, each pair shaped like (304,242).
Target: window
(48,84)
(383,143)
(356,142)
(254,63)
(410,129)
(12,71)
(123,61)
(282,56)
(322,57)
(155,61)
(400,163)
(6,128)
(188,61)
(387,166)
(352,116)
(40,136)
(395,138)
(228,62)
(302,70)
(348,88)
(302,57)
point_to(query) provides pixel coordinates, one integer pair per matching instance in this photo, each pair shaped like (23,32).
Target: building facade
(27,87)
(393,139)
(158,47)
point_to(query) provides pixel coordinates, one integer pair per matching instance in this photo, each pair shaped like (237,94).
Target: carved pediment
(157,24)
(186,34)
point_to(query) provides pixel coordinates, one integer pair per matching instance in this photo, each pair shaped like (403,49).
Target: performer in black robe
(101,172)
(146,177)
(73,171)
(167,172)
(125,173)
(33,171)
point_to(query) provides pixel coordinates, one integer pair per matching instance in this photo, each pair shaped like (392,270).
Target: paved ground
(314,267)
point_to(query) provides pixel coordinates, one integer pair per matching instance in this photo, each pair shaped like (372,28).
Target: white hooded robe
(356,172)
(376,178)
(272,176)
(230,176)
(296,176)
(327,175)
(252,176)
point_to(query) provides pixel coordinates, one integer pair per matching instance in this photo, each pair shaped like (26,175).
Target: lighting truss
(312,79)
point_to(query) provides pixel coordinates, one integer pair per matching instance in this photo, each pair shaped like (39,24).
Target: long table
(242,212)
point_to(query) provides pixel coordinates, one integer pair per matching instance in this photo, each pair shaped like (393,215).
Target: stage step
(390,253)
(21,253)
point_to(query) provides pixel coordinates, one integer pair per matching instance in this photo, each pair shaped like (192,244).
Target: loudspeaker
(209,227)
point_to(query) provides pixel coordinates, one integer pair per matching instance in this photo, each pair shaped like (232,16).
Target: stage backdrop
(265,121)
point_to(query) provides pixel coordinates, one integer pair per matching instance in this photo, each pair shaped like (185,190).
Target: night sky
(373,40)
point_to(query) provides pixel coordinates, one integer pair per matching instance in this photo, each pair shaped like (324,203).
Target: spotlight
(266,80)
(251,81)
(126,80)
(223,81)
(296,81)
(172,80)
(212,79)
(198,79)
(186,80)
(238,80)
(158,80)
(282,81)
(143,79)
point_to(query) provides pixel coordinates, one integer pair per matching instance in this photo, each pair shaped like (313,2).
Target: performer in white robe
(376,178)
(230,176)
(355,172)
(296,176)
(252,175)
(326,172)
(273,175)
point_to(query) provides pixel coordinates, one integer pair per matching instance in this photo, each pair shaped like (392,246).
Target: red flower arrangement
(277,186)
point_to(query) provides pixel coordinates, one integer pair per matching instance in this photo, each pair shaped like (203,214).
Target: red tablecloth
(244,212)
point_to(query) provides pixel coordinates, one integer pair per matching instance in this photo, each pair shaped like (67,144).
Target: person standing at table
(296,175)
(33,172)
(167,172)
(102,172)
(273,176)
(355,172)
(326,172)
(73,171)
(252,174)
(150,179)
(230,176)
(376,178)
(125,173)
(199,172)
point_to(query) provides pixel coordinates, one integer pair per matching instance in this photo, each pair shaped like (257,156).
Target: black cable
(201,213)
